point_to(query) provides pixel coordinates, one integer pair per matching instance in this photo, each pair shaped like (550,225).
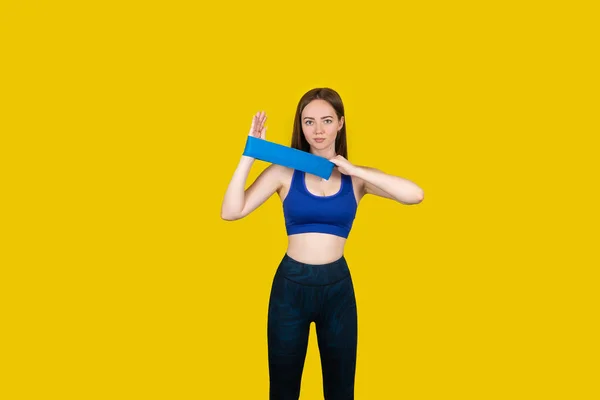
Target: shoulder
(280,170)
(359,184)
(278,173)
(281,177)
(358,187)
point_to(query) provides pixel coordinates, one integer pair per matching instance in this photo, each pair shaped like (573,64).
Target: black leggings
(304,293)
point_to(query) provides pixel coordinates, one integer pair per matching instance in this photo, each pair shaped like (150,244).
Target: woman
(313,281)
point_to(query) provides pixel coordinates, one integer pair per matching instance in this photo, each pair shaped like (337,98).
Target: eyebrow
(328,116)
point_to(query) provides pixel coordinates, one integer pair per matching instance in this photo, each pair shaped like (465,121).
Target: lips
(319,140)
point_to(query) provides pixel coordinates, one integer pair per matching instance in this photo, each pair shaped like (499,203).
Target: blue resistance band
(287,156)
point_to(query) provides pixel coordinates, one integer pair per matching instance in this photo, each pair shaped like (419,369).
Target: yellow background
(122,122)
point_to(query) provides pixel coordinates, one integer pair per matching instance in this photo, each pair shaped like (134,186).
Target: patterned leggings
(304,293)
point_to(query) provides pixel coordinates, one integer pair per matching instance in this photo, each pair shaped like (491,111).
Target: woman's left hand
(343,165)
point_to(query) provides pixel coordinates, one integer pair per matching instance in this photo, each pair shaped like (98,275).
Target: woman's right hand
(258,128)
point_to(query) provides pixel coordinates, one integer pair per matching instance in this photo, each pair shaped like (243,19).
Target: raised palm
(258,128)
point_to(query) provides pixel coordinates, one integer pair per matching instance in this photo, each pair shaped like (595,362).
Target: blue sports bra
(306,212)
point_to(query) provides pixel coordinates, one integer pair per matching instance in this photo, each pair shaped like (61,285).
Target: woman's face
(320,124)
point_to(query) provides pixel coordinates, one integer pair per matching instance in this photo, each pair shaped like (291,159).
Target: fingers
(260,130)
(252,125)
(263,118)
(255,127)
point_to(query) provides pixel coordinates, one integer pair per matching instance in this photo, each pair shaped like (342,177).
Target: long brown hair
(332,97)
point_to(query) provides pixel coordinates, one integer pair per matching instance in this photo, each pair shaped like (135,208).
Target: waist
(315,248)
(313,274)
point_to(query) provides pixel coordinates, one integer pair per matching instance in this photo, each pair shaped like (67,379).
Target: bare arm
(389,186)
(238,202)
(381,184)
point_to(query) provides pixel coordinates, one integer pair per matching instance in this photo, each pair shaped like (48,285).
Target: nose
(319,129)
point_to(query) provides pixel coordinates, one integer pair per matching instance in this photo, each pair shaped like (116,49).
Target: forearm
(234,199)
(400,189)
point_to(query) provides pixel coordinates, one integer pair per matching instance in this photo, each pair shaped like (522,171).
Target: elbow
(419,196)
(415,199)
(228,215)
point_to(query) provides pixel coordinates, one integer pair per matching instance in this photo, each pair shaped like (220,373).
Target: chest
(322,187)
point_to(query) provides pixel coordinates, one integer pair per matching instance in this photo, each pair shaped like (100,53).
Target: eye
(328,121)
(308,122)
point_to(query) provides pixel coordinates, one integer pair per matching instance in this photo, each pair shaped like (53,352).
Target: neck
(327,153)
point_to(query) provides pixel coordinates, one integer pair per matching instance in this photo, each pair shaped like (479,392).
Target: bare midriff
(315,248)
